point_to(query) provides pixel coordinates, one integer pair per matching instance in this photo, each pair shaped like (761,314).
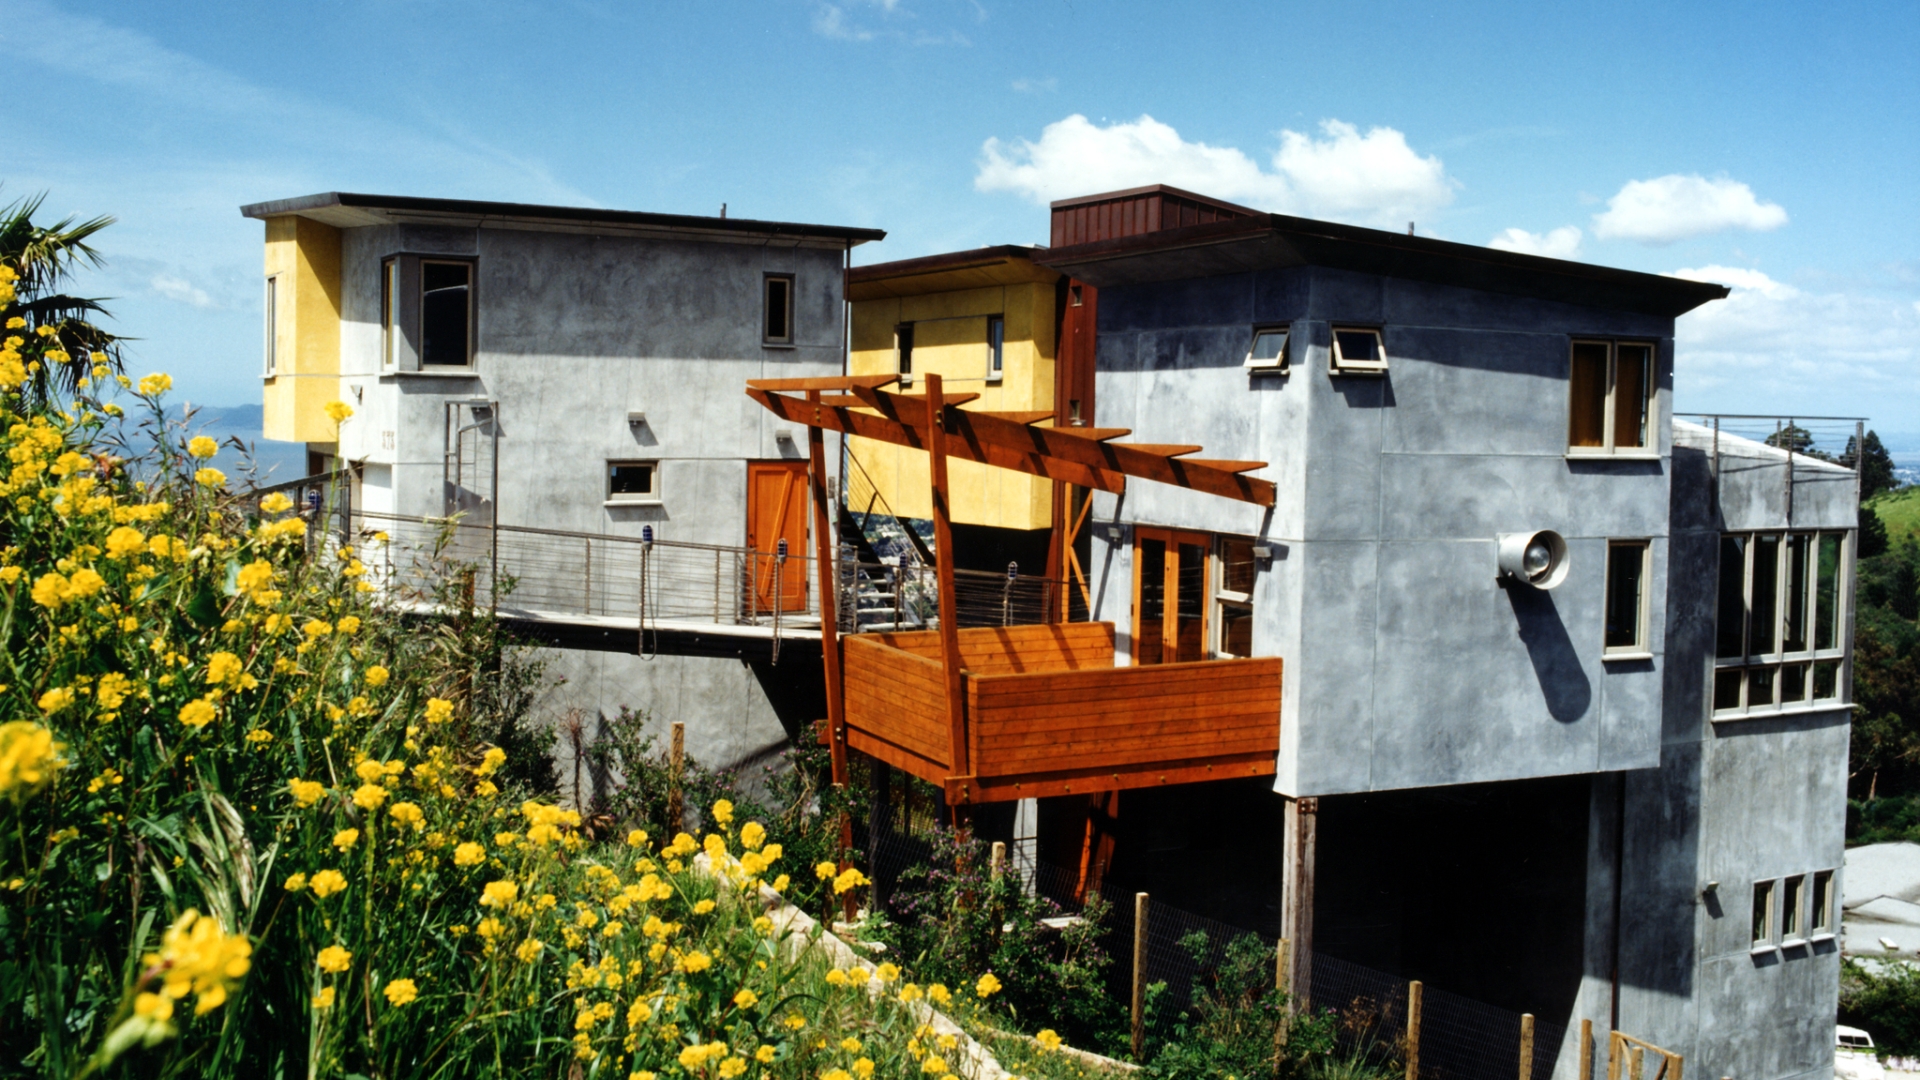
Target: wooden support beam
(829,587)
(950,400)
(1094,434)
(936,436)
(1223,466)
(1296,914)
(1030,417)
(823,382)
(1172,450)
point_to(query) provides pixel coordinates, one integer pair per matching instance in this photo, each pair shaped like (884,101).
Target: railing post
(1635,1061)
(1413,1030)
(676,812)
(1526,1046)
(587,606)
(1140,905)
(1586,1050)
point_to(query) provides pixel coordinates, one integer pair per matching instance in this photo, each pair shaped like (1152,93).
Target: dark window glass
(779,320)
(1793,683)
(1826,602)
(1733,605)
(1150,566)
(445,312)
(1236,629)
(1191,602)
(903,338)
(1632,385)
(631,479)
(1793,634)
(1358,346)
(1759,687)
(1726,689)
(1762,912)
(1790,899)
(1826,680)
(1626,569)
(1765,595)
(996,344)
(1587,390)
(1821,917)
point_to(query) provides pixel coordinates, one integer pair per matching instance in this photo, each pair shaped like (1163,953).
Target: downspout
(1619,865)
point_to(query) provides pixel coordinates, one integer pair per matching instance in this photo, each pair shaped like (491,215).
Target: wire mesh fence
(1824,438)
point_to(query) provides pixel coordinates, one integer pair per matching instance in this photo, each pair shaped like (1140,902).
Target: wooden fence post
(1613,1056)
(1140,904)
(1526,1046)
(676,812)
(1413,1030)
(1635,1061)
(999,859)
(1280,970)
(1586,1050)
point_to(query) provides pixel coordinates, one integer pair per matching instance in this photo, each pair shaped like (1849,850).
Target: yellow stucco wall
(950,338)
(303,257)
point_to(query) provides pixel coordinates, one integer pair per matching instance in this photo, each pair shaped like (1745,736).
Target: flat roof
(345,209)
(997,264)
(1269,241)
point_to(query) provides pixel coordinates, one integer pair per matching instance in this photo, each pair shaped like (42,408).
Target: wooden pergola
(1026,711)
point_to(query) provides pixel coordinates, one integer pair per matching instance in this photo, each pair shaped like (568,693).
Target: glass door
(1170,596)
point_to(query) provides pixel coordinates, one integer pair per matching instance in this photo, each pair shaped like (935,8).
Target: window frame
(903,352)
(473,309)
(1651,425)
(650,498)
(272,358)
(767,280)
(1764,916)
(1220,598)
(1774,665)
(1279,364)
(996,348)
(392,331)
(1338,364)
(1820,905)
(1642,646)
(1793,909)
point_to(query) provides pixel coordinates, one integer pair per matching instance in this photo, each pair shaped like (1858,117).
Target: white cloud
(1343,174)
(1674,207)
(1770,346)
(181,291)
(1036,86)
(1560,243)
(836,21)
(830,21)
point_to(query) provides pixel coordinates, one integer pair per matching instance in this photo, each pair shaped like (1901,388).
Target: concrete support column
(1026,841)
(1296,905)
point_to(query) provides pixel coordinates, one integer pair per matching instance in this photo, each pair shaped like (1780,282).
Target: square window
(1269,350)
(776,325)
(446,313)
(996,346)
(1626,612)
(1762,913)
(633,481)
(1358,351)
(1610,396)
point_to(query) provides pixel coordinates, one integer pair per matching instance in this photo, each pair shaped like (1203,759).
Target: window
(1820,911)
(996,345)
(1358,351)
(633,481)
(777,322)
(1793,896)
(1762,914)
(1610,398)
(1626,615)
(1777,642)
(903,345)
(1233,597)
(273,327)
(391,339)
(1269,350)
(446,313)
(1074,297)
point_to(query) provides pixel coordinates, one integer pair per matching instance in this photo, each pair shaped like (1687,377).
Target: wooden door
(1170,590)
(777,510)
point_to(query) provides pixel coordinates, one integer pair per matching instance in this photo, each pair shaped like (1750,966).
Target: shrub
(1884,1001)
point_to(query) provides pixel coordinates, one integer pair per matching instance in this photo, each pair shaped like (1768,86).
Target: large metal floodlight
(1537,558)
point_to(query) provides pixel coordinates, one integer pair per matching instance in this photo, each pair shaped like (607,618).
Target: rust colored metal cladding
(1114,214)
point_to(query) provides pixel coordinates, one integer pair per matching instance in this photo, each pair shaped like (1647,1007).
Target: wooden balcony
(1045,712)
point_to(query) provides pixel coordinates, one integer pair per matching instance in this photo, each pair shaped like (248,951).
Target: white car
(1854,1057)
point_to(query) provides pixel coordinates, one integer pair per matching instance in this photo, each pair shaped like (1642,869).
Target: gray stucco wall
(573,331)
(1407,664)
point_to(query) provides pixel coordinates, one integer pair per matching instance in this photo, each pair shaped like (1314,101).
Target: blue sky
(1773,147)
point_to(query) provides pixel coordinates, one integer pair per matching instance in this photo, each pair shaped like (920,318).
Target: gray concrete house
(574,376)
(1565,715)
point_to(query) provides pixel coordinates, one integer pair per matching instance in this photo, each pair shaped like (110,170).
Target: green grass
(1899,511)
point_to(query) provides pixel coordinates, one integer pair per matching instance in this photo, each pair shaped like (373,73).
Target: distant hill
(1899,511)
(273,462)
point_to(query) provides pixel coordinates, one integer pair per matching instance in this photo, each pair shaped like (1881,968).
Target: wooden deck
(1046,713)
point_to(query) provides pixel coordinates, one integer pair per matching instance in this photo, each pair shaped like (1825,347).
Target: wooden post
(1634,1063)
(676,813)
(1586,1050)
(1613,1056)
(1140,904)
(1526,1046)
(943,573)
(1297,898)
(1413,1030)
(1280,973)
(999,862)
(828,583)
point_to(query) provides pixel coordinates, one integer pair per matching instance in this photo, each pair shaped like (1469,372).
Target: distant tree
(1792,437)
(1876,470)
(57,341)
(1873,534)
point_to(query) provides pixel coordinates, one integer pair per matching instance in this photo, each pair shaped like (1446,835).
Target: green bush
(1883,1001)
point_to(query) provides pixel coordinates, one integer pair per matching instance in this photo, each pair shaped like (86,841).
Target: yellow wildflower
(125,541)
(987,986)
(198,713)
(323,999)
(296,882)
(439,710)
(752,835)
(156,384)
(1048,1039)
(338,411)
(346,838)
(469,854)
(209,477)
(223,667)
(202,447)
(529,950)
(407,813)
(498,894)
(747,999)
(369,796)
(306,792)
(375,676)
(326,883)
(199,957)
(401,992)
(334,959)
(723,812)
(55,699)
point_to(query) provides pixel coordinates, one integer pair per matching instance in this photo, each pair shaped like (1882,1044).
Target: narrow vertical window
(1626,611)
(996,346)
(1587,390)
(1762,913)
(777,322)
(1793,908)
(1764,596)
(1632,378)
(446,313)
(1826,597)
(273,325)
(1820,911)
(390,313)
(903,345)
(1233,597)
